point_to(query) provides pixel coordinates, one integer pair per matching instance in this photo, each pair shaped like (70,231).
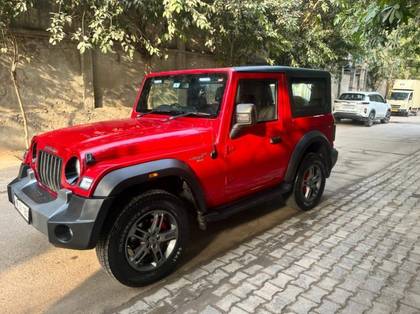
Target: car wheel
(309,183)
(370,119)
(387,117)
(147,239)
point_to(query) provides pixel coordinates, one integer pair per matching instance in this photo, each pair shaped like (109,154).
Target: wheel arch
(120,185)
(314,141)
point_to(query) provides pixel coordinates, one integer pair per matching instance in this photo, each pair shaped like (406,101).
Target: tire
(152,229)
(387,117)
(298,199)
(370,119)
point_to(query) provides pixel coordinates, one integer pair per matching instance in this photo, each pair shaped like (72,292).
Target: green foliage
(9,11)
(386,35)
(372,21)
(143,25)
(296,32)
(399,56)
(308,33)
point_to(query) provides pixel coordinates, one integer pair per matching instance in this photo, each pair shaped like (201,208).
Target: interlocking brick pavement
(357,252)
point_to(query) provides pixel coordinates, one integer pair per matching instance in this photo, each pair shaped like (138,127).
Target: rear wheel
(309,183)
(370,119)
(146,241)
(387,117)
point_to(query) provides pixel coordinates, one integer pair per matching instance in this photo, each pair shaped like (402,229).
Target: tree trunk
(389,81)
(19,98)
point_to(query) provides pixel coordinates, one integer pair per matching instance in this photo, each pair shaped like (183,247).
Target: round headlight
(72,170)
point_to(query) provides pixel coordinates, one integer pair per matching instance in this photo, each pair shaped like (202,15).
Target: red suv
(202,143)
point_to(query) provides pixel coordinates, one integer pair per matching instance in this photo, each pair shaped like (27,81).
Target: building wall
(60,87)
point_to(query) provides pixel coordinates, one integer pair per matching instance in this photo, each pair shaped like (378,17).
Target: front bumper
(68,220)
(399,110)
(350,115)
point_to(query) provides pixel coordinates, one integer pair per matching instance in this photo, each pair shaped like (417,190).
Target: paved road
(35,277)
(359,251)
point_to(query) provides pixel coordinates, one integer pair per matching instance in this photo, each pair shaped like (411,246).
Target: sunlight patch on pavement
(34,285)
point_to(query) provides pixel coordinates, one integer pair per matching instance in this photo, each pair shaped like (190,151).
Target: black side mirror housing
(245,116)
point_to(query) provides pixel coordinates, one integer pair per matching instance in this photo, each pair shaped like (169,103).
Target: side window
(309,97)
(372,98)
(262,93)
(411,96)
(380,98)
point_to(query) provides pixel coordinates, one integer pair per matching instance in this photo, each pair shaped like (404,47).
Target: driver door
(257,158)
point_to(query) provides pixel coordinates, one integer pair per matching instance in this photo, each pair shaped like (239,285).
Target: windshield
(351,96)
(399,96)
(198,94)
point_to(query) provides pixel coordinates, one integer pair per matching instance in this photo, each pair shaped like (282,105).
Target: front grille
(49,170)
(395,106)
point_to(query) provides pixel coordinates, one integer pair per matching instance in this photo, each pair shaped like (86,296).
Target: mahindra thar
(202,143)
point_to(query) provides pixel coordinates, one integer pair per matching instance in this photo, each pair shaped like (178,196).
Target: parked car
(405,97)
(362,106)
(205,143)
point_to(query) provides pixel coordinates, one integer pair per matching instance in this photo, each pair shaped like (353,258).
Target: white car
(362,106)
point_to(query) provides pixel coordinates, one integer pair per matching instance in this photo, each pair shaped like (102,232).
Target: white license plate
(24,210)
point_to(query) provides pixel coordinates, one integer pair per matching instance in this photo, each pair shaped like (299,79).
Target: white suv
(362,106)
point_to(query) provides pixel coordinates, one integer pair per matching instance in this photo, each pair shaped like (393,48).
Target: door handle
(275,140)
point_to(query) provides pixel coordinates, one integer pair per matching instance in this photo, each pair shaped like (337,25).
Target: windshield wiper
(190,113)
(141,114)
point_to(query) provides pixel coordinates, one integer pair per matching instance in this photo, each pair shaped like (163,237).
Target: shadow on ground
(205,246)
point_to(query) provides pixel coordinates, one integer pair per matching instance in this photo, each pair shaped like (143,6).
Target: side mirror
(245,116)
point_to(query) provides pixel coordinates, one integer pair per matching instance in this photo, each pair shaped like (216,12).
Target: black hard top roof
(284,69)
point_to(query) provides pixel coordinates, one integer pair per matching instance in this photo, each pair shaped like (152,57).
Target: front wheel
(146,241)
(309,183)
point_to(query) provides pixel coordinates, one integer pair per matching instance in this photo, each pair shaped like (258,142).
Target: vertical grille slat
(60,166)
(43,168)
(49,170)
(54,173)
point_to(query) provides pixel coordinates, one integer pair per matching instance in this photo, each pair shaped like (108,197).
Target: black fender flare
(300,149)
(118,180)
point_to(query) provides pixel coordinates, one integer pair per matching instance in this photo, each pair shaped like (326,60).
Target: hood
(128,136)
